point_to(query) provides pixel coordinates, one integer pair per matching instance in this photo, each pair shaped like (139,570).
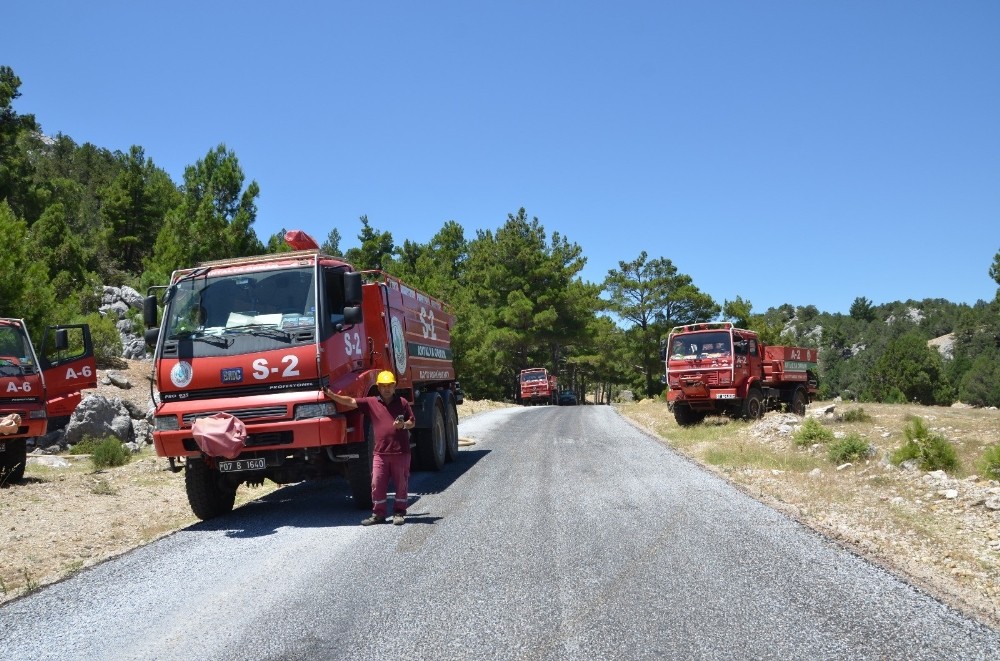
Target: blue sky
(785,152)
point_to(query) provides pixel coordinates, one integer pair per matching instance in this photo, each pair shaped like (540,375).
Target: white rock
(49,460)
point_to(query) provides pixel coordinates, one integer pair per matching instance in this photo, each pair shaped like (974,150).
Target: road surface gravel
(562,533)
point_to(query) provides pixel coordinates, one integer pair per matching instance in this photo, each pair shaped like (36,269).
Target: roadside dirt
(940,531)
(67,516)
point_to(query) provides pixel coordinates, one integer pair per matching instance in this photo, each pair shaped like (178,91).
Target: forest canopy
(79,217)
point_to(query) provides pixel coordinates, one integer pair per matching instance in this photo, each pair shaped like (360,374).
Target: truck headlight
(37,414)
(166,423)
(319,410)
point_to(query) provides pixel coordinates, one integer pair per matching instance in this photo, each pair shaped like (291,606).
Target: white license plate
(241,465)
(725,396)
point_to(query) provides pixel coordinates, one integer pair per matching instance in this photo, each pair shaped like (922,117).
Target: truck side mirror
(62,339)
(151,335)
(352,315)
(352,289)
(149,312)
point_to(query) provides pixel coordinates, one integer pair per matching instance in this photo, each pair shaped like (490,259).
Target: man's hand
(343,400)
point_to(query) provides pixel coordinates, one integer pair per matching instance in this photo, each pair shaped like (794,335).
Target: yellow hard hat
(385,378)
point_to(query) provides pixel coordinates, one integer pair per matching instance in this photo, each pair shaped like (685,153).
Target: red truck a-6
(538,386)
(36,388)
(714,368)
(258,338)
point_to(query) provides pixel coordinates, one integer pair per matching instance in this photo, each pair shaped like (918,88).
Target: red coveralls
(392,451)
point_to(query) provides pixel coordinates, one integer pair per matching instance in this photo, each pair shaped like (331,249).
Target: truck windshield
(701,345)
(269,303)
(15,359)
(533,376)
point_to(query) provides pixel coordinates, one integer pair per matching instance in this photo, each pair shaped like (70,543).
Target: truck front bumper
(278,435)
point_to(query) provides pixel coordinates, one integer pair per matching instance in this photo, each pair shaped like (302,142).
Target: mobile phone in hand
(399,418)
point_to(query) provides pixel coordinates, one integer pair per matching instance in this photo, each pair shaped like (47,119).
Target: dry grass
(901,519)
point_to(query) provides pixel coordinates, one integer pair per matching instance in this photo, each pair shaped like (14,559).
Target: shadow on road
(327,503)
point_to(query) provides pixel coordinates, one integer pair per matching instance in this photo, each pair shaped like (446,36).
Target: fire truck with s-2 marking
(256,339)
(714,368)
(37,389)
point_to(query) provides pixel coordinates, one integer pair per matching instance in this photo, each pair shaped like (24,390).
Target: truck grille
(269,438)
(709,377)
(243,414)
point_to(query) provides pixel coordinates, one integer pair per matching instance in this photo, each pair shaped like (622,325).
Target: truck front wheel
(753,405)
(12,461)
(208,495)
(685,416)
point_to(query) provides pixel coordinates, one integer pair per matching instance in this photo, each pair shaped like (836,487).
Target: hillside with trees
(79,217)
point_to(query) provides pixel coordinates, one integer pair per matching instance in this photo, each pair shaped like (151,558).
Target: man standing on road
(391,418)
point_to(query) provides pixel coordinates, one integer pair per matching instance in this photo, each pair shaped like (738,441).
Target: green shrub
(850,448)
(812,431)
(107,341)
(109,449)
(894,396)
(931,450)
(109,452)
(85,446)
(989,463)
(856,415)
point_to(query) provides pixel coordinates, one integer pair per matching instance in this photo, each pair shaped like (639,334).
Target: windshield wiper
(265,330)
(201,336)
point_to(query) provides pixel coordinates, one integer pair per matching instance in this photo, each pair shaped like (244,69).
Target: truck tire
(798,403)
(431,443)
(450,427)
(359,471)
(13,460)
(206,493)
(753,405)
(686,417)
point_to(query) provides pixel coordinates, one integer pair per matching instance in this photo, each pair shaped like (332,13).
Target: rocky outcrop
(119,302)
(98,417)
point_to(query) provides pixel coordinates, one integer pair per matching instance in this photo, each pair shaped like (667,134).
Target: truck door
(68,366)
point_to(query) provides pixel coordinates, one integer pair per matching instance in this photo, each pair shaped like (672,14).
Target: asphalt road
(563,533)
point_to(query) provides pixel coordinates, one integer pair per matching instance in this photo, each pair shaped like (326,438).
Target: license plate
(241,465)
(725,396)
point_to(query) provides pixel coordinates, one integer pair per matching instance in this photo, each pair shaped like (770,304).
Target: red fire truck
(538,386)
(258,338)
(37,388)
(714,368)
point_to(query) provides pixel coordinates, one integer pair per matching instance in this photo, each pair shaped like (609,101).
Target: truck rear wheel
(431,443)
(450,428)
(753,405)
(359,471)
(208,495)
(13,460)
(798,403)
